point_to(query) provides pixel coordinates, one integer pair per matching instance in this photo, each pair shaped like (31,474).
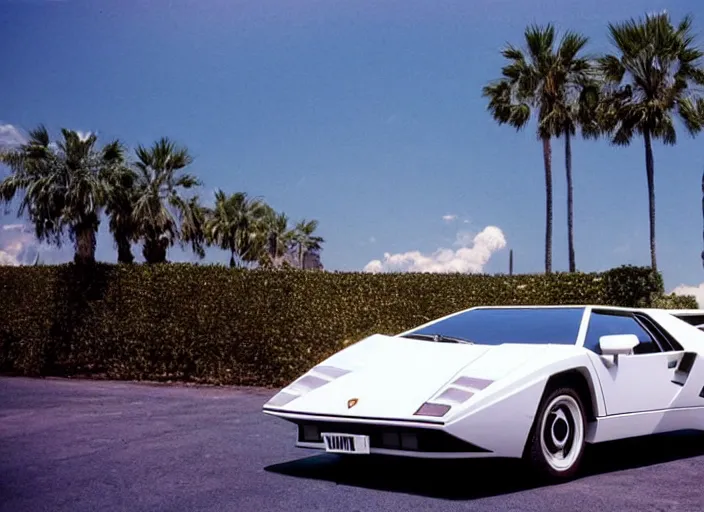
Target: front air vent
(389,437)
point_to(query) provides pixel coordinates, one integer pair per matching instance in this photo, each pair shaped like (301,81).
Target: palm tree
(235,224)
(303,239)
(121,199)
(548,83)
(653,76)
(280,236)
(275,237)
(576,107)
(161,213)
(31,164)
(64,186)
(193,217)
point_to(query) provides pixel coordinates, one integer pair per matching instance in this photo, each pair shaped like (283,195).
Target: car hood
(391,377)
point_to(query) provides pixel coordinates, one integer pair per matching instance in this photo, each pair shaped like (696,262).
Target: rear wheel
(556,445)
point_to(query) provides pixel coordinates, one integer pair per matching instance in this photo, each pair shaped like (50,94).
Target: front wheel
(557,439)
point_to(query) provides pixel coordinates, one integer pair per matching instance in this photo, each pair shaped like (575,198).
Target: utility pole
(510,252)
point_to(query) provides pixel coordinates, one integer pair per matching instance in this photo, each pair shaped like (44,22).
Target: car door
(646,380)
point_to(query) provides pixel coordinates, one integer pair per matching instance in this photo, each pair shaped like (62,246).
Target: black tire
(553,430)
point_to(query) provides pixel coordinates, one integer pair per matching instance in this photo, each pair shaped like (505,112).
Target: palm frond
(161,213)
(63,186)
(543,81)
(657,75)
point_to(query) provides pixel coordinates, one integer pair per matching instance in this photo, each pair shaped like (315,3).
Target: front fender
(503,424)
(500,418)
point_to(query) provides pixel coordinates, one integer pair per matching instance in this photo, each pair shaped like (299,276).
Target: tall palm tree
(304,240)
(235,224)
(578,109)
(161,213)
(64,184)
(546,82)
(654,75)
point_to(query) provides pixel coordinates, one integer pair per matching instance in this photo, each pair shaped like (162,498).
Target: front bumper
(392,437)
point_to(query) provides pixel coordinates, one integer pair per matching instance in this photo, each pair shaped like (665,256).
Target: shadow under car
(490,477)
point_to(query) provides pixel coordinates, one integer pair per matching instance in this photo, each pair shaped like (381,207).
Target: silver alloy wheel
(562,432)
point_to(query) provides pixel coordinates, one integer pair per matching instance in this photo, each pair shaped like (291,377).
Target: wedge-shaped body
(532,382)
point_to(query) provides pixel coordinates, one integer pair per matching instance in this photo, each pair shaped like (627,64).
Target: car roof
(561,306)
(677,312)
(683,312)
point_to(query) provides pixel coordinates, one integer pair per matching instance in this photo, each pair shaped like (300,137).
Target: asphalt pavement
(80,445)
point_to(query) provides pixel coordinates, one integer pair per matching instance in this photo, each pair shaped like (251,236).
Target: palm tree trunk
(570,205)
(124,249)
(85,243)
(233,263)
(272,245)
(154,251)
(650,170)
(547,157)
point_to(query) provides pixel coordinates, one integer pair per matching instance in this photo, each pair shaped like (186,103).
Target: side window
(602,324)
(695,320)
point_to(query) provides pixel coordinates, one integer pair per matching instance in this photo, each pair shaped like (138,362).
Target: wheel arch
(577,378)
(581,381)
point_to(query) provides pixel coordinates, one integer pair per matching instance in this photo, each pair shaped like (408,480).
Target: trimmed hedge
(673,301)
(211,324)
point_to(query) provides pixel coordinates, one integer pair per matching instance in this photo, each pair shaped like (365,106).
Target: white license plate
(345,443)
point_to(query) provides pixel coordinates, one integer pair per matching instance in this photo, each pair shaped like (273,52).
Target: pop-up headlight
(431,409)
(457,392)
(315,378)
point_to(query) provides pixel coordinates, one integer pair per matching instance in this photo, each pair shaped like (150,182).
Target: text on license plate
(346,443)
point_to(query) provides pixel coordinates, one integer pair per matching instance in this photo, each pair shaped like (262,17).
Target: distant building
(311,260)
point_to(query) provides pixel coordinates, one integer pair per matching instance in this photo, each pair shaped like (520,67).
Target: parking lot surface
(79,445)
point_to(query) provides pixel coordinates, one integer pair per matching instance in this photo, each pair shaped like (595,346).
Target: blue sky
(367,116)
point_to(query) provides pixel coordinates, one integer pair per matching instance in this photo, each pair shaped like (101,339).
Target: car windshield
(494,326)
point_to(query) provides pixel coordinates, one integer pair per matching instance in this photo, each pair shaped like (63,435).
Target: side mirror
(618,344)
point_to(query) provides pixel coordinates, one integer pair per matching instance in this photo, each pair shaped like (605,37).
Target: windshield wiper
(439,338)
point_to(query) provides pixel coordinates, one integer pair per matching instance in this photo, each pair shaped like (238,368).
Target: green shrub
(633,287)
(212,324)
(673,301)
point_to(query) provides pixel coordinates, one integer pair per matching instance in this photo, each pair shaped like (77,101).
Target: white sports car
(531,382)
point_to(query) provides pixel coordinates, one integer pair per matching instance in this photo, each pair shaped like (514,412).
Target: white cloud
(15,244)
(471,257)
(449,217)
(83,135)
(12,227)
(697,291)
(11,136)
(464,239)
(7,259)
(374,266)
(19,246)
